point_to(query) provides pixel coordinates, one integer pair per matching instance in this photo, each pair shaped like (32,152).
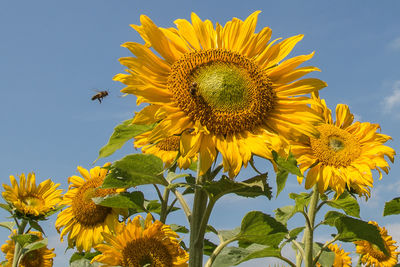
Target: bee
(100,95)
(193,89)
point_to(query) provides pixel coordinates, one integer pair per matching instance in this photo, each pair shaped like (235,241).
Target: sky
(55,54)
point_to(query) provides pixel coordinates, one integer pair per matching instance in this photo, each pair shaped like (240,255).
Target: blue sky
(53,54)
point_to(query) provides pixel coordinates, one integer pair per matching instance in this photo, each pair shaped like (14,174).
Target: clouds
(393,100)
(395,44)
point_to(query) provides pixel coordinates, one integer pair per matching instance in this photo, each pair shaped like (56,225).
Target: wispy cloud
(393,100)
(394,44)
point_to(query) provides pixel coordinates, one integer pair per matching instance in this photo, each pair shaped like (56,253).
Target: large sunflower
(42,257)
(30,199)
(373,256)
(154,245)
(342,259)
(344,154)
(223,89)
(83,220)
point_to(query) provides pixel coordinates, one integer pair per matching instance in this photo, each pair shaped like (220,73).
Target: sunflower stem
(164,205)
(17,249)
(217,250)
(309,231)
(199,206)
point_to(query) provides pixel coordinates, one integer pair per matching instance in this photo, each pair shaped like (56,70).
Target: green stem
(309,231)
(164,205)
(183,203)
(199,206)
(217,250)
(17,250)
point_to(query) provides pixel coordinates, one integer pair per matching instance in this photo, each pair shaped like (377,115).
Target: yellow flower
(371,255)
(167,150)
(344,154)
(342,259)
(42,257)
(83,220)
(222,89)
(29,199)
(155,245)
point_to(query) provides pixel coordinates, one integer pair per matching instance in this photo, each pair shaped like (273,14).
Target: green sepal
(134,170)
(122,133)
(392,207)
(6,207)
(8,225)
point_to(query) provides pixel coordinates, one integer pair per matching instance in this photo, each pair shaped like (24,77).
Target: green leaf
(208,247)
(392,207)
(155,207)
(302,200)
(261,228)
(295,232)
(327,257)
(256,186)
(8,225)
(228,234)
(351,230)
(133,200)
(179,228)
(283,214)
(260,251)
(34,246)
(85,263)
(83,255)
(347,203)
(171,176)
(230,256)
(331,216)
(25,239)
(122,133)
(134,170)
(34,224)
(285,166)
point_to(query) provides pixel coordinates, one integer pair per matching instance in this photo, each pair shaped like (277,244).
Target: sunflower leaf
(327,257)
(347,203)
(155,206)
(302,200)
(208,247)
(261,228)
(85,263)
(8,225)
(228,234)
(179,228)
(350,230)
(285,166)
(7,207)
(331,216)
(133,200)
(260,251)
(25,239)
(83,255)
(392,207)
(134,170)
(34,246)
(283,214)
(34,224)
(122,133)
(230,256)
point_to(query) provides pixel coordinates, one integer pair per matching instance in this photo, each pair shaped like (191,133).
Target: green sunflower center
(335,147)
(225,91)
(33,201)
(84,209)
(149,252)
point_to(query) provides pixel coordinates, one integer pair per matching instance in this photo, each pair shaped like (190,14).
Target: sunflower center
(83,207)
(169,144)
(149,252)
(225,91)
(33,201)
(375,252)
(32,259)
(335,147)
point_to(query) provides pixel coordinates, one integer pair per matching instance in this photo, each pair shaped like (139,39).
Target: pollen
(335,147)
(232,93)
(169,144)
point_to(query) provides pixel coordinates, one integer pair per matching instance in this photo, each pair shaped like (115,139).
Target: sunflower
(83,220)
(29,199)
(154,245)
(344,154)
(371,255)
(342,259)
(222,89)
(40,257)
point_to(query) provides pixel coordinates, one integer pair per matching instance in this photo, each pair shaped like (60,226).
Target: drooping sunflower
(371,255)
(83,220)
(155,245)
(342,259)
(30,199)
(42,257)
(344,154)
(222,89)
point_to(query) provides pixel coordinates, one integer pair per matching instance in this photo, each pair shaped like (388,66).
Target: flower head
(371,255)
(30,199)
(40,257)
(83,220)
(342,259)
(154,245)
(344,154)
(221,89)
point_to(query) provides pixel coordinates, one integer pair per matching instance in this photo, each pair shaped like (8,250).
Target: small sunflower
(83,220)
(344,154)
(42,257)
(371,255)
(342,259)
(228,85)
(154,245)
(29,199)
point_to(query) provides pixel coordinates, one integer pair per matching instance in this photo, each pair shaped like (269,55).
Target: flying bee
(193,89)
(100,95)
